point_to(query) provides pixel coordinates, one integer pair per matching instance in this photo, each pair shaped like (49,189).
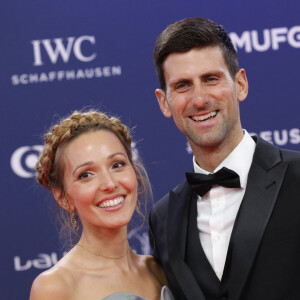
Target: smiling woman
(87,164)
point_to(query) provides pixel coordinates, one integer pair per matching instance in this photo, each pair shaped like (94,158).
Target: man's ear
(163,104)
(242,85)
(59,196)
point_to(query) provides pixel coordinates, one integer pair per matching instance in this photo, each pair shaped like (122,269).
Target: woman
(87,164)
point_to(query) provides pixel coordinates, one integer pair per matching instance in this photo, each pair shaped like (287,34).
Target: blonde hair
(50,167)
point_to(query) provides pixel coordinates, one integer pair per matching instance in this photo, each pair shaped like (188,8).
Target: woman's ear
(59,196)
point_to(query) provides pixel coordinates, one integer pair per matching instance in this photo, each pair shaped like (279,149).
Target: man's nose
(198,95)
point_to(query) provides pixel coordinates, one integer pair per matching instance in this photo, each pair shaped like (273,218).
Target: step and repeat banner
(58,56)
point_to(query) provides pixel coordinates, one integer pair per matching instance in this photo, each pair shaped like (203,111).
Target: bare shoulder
(155,268)
(52,284)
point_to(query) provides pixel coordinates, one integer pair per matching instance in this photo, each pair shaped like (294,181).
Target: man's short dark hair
(190,33)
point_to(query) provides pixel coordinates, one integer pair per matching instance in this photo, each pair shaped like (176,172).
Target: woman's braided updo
(50,166)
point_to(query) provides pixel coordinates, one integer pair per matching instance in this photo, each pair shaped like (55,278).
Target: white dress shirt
(218,208)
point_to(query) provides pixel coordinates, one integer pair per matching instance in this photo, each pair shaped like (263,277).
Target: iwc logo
(59,52)
(55,48)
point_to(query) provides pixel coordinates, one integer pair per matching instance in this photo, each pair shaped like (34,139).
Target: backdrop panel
(58,56)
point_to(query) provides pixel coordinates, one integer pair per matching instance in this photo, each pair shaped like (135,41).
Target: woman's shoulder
(55,283)
(155,268)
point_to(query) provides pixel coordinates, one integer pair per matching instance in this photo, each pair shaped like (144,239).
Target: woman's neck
(110,244)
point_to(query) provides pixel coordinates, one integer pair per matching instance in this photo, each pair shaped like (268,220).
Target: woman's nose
(107,182)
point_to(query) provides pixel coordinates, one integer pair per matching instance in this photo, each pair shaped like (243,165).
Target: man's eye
(182,86)
(211,79)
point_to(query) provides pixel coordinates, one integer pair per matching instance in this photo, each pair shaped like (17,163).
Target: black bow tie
(201,183)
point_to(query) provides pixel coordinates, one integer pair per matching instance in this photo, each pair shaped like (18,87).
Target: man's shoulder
(268,153)
(177,190)
(292,159)
(163,204)
(290,155)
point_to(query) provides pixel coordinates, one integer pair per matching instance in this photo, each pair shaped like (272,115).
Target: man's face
(202,97)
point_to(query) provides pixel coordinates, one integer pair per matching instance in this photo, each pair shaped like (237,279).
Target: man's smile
(204,117)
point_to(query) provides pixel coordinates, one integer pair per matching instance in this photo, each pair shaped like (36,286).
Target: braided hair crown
(68,129)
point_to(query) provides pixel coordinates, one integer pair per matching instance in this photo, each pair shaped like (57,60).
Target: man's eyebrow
(180,80)
(212,73)
(204,75)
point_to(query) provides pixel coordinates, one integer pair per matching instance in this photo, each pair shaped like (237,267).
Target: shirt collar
(239,160)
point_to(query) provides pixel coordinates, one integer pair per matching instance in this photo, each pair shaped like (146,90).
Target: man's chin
(208,140)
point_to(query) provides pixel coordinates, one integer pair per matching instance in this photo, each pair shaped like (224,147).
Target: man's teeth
(205,117)
(110,203)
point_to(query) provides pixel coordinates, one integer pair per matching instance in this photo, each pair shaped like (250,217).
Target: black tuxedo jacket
(265,241)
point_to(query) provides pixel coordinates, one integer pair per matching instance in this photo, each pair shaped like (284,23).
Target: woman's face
(100,182)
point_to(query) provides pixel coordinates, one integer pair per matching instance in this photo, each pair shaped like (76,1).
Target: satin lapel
(179,204)
(264,182)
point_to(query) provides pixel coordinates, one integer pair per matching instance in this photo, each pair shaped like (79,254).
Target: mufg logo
(266,40)
(64,48)
(23,160)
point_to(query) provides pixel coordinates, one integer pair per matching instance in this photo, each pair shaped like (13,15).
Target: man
(233,235)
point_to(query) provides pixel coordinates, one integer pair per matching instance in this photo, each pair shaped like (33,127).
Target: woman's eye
(118,164)
(84,175)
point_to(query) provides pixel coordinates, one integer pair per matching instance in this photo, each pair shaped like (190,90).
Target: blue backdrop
(57,56)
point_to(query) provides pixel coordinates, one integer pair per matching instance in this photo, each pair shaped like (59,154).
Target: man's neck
(209,161)
(210,158)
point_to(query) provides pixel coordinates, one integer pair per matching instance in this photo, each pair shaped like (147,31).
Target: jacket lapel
(179,204)
(264,182)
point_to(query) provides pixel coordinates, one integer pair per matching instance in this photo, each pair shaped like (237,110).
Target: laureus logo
(138,240)
(23,160)
(63,47)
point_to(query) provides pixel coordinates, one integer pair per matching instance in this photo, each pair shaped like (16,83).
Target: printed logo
(43,261)
(55,48)
(23,160)
(280,137)
(135,151)
(277,137)
(269,39)
(188,148)
(139,241)
(55,51)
